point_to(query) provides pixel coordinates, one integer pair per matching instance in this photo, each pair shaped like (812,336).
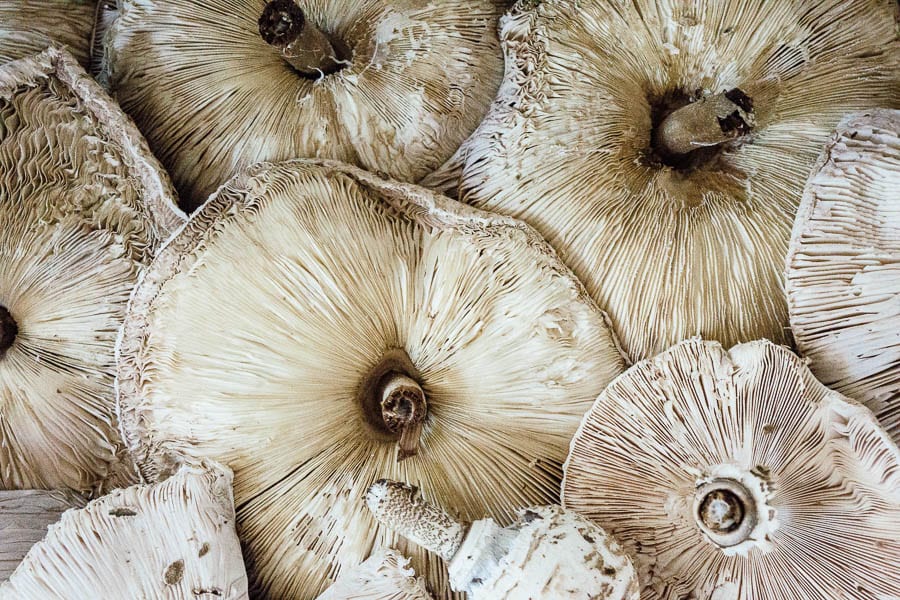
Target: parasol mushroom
(384,576)
(175,539)
(83,205)
(390,85)
(735,475)
(589,141)
(24,517)
(361,315)
(547,554)
(30,26)
(843,268)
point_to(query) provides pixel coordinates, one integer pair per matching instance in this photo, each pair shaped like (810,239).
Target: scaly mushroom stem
(709,121)
(397,506)
(8,330)
(302,45)
(403,410)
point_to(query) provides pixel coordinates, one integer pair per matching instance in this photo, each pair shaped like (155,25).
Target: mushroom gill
(346,283)
(31,26)
(662,146)
(393,86)
(83,206)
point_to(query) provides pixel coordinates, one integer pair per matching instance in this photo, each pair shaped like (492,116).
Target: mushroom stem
(725,511)
(8,330)
(397,506)
(403,410)
(301,44)
(709,121)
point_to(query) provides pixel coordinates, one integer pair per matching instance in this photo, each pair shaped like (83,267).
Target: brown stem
(301,44)
(709,121)
(403,410)
(8,330)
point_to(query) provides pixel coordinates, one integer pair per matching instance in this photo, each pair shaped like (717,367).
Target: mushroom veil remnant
(312,324)
(737,475)
(31,26)
(83,206)
(175,539)
(843,269)
(384,576)
(662,146)
(393,86)
(547,554)
(24,518)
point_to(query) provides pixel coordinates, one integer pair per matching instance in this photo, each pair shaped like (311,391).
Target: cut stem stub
(305,47)
(403,410)
(710,121)
(725,511)
(9,329)
(398,506)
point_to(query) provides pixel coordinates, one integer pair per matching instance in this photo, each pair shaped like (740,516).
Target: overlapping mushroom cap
(736,475)
(843,268)
(24,518)
(30,26)
(583,143)
(271,334)
(412,81)
(83,205)
(383,576)
(175,539)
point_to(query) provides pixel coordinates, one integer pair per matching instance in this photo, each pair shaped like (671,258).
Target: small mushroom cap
(548,554)
(671,252)
(843,268)
(213,97)
(174,539)
(24,517)
(83,205)
(820,478)
(30,26)
(384,576)
(252,334)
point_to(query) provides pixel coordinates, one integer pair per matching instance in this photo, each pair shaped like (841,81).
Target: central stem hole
(309,50)
(722,511)
(9,329)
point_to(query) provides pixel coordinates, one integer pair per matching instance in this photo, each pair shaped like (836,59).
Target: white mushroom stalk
(548,554)
(390,86)
(737,475)
(368,320)
(661,146)
(384,576)
(83,206)
(175,539)
(24,518)
(843,268)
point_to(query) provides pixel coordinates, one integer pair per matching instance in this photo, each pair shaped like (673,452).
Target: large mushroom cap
(735,475)
(24,518)
(175,539)
(83,205)
(30,26)
(675,245)
(383,576)
(213,96)
(843,268)
(264,333)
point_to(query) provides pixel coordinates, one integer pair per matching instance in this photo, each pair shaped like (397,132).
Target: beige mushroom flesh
(736,475)
(83,206)
(312,323)
(547,554)
(30,26)
(24,518)
(391,86)
(843,268)
(662,147)
(385,575)
(174,539)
